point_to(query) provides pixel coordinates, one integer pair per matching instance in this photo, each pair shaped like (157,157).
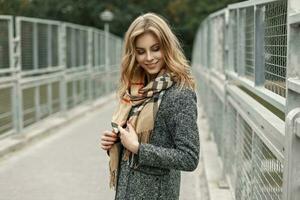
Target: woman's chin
(152,72)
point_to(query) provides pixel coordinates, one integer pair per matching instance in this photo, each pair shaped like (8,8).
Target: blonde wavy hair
(174,58)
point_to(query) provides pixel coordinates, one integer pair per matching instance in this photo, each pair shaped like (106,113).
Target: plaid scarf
(145,101)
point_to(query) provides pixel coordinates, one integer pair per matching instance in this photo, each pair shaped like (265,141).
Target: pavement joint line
(15,142)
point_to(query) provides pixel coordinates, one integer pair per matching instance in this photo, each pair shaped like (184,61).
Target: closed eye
(156,48)
(140,52)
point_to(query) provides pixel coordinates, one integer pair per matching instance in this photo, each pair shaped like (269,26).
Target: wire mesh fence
(27,46)
(233,41)
(244,177)
(217,43)
(243,33)
(251,154)
(39,44)
(276,46)
(29,109)
(249,42)
(267,172)
(6,115)
(77,49)
(53,67)
(231,143)
(98,47)
(4,43)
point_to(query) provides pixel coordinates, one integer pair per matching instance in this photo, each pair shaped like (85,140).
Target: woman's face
(149,54)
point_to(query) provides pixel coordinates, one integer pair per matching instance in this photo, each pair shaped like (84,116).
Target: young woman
(154,131)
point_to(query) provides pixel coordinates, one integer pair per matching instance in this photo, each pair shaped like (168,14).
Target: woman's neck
(151,77)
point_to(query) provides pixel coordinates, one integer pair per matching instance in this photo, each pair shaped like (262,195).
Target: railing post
(18,96)
(291,183)
(106,45)
(91,54)
(62,62)
(37,102)
(208,43)
(49,99)
(49,63)
(292,160)
(226,43)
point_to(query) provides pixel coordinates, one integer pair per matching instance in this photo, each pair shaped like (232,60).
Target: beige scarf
(145,100)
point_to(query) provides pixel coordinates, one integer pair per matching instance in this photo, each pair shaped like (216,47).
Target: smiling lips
(151,65)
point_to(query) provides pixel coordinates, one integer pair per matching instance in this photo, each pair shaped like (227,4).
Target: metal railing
(246,60)
(48,67)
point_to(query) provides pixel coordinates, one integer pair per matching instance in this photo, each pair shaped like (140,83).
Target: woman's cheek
(139,59)
(158,55)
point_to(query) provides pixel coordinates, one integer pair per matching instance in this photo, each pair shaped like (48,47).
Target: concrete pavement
(66,165)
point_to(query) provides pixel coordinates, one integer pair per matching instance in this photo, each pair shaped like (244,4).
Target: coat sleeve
(182,123)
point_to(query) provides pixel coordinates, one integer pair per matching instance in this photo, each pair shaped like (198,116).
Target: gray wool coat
(173,147)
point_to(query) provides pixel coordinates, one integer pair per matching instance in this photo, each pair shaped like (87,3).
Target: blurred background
(184,16)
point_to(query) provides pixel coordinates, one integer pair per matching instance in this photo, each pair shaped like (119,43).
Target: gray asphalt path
(69,165)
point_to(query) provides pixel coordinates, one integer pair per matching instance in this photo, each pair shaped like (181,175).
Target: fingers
(108,139)
(109,134)
(122,130)
(106,147)
(105,143)
(130,127)
(122,123)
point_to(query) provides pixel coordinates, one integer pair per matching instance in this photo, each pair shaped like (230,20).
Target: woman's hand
(108,139)
(129,138)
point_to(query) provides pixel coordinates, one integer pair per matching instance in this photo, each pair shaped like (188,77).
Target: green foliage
(183,15)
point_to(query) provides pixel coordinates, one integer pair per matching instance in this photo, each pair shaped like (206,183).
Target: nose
(149,56)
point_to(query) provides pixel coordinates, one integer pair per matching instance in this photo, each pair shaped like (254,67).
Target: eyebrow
(150,47)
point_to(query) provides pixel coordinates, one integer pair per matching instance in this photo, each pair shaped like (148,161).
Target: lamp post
(106,16)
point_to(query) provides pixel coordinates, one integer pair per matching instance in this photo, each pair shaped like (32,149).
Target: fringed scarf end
(113,180)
